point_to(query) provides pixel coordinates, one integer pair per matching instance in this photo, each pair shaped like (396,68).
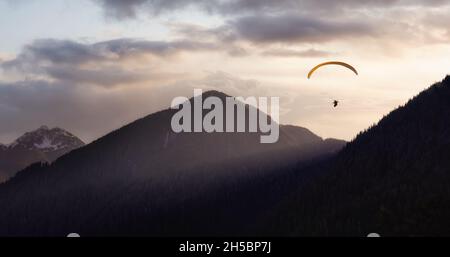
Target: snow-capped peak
(47,144)
(47,140)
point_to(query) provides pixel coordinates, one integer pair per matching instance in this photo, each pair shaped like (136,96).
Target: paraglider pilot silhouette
(348,66)
(335,103)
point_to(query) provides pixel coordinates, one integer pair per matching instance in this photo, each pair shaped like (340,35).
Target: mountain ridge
(144,169)
(40,145)
(392,179)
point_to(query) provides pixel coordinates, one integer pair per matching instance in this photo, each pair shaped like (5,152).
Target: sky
(92,66)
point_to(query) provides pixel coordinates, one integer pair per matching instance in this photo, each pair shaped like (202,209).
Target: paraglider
(332,63)
(335,103)
(346,65)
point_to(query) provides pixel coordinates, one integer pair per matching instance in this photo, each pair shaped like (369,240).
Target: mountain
(41,145)
(144,179)
(393,179)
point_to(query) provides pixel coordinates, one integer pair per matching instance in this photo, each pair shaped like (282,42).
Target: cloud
(128,47)
(220,37)
(291,28)
(91,113)
(107,77)
(299,21)
(237,86)
(87,112)
(253,32)
(283,52)
(103,63)
(438,20)
(29,104)
(120,9)
(71,52)
(130,9)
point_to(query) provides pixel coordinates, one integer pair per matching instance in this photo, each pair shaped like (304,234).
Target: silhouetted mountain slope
(393,179)
(145,179)
(40,145)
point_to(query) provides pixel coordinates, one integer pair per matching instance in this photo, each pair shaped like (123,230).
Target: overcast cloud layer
(131,8)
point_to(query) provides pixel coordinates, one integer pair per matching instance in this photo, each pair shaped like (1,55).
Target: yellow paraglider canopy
(332,63)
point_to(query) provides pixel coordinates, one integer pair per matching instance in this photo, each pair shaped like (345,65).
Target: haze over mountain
(392,179)
(133,180)
(41,145)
